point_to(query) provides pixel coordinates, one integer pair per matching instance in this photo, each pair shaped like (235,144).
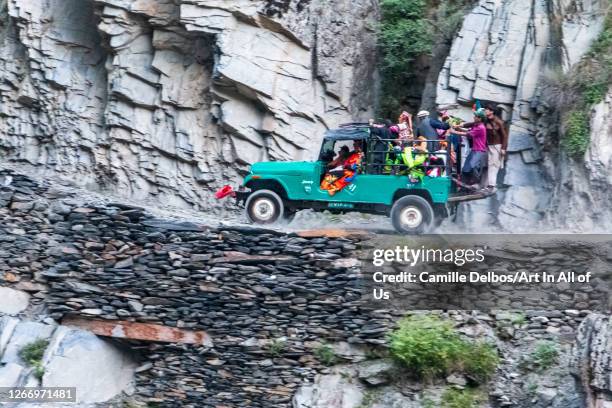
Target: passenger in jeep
(332,183)
(335,166)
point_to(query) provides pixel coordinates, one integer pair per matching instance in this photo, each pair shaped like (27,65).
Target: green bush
(403,38)
(519,319)
(468,398)
(430,347)
(545,355)
(427,345)
(595,92)
(577,133)
(480,361)
(32,354)
(404,33)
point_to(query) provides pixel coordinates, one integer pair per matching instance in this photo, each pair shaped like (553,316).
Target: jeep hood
(284,168)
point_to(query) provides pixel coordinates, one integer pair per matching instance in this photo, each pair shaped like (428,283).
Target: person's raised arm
(436,124)
(459,130)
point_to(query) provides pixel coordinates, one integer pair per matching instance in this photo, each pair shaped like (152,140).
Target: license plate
(340,205)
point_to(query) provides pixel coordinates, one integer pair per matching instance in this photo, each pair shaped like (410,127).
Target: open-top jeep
(276,190)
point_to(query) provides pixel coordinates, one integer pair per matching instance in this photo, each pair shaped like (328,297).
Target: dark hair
(345,148)
(491,107)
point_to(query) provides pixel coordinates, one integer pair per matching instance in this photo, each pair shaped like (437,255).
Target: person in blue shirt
(426,127)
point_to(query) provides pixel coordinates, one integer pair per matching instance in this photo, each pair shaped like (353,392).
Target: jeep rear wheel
(412,215)
(264,207)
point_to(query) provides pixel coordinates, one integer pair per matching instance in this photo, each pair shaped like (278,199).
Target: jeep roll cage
(362,132)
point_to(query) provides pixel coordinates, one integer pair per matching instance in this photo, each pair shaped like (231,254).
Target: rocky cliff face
(503,53)
(168,100)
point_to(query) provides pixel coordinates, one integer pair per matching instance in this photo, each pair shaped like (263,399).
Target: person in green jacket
(413,159)
(407,161)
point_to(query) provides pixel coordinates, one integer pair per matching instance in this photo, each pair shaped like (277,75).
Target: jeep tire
(264,207)
(412,215)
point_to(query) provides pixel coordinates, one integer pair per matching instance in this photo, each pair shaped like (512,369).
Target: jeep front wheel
(264,207)
(412,215)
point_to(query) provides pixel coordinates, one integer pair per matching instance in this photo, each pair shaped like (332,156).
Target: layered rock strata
(168,100)
(505,52)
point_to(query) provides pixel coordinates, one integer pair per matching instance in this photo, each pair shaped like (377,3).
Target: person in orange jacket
(351,165)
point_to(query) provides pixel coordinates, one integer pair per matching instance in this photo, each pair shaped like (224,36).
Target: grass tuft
(32,354)
(545,355)
(277,347)
(325,354)
(467,398)
(577,133)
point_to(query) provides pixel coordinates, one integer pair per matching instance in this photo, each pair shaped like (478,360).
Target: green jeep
(276,190)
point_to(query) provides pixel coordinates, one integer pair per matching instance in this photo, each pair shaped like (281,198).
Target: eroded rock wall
(267,299)
(268,302)
(583,187)
(169,100)
(504,52)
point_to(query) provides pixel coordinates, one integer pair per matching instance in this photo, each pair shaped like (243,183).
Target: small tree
(404,34)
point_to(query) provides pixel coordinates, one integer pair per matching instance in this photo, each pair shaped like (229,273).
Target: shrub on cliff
(32,354)
(404,34)
(430,347)
(575,93)
(544,356)
(325,354)
(468,398)
(410,29)
(577,137)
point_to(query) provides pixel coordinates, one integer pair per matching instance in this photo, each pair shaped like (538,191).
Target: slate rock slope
(504,53)
(70,357)
(168,100)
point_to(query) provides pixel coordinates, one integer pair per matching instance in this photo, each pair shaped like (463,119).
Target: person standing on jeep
(427,126)
(477,159)
(497,145)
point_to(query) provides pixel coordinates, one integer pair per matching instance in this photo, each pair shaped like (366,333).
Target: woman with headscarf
(404,125)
